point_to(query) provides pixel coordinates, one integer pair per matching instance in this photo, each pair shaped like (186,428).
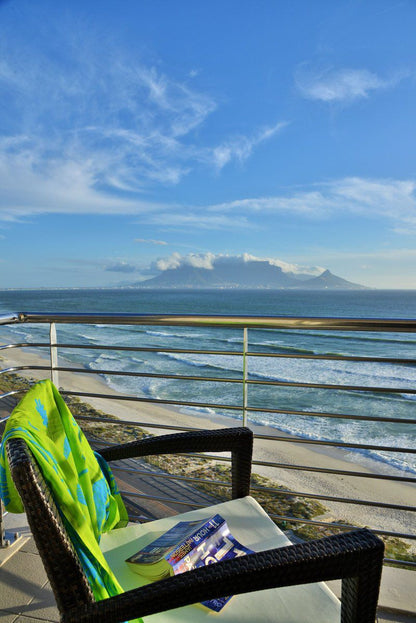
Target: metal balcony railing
(243,324)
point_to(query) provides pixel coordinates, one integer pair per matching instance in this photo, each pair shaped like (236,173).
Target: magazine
(188,545)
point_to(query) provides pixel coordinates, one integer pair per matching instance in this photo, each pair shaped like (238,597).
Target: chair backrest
(68,580)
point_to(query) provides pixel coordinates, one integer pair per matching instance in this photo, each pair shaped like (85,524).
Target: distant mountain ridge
(248,275)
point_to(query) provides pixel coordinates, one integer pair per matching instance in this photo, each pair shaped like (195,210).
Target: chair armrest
(355,557)
(237,440)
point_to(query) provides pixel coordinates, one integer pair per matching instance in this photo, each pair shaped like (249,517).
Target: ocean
(358,304)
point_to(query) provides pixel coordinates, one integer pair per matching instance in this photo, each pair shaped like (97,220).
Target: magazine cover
(150,561)
(188,545)
(219,545)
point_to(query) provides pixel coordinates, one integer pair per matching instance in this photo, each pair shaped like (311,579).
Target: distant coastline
(186,289)
(178,289)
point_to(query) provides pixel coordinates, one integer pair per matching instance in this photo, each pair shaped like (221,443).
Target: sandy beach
(264,450)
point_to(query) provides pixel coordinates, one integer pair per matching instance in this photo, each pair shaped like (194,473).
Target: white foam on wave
(297,370)
(198,411)
(115,362)
(345,432)
(198,361)
(89,338)
(182,336)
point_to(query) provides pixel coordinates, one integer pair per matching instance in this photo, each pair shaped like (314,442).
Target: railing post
(53,354)
(1,524)
(245,341)
(4,542)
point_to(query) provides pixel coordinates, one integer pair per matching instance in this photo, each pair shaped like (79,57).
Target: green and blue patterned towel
(83,486)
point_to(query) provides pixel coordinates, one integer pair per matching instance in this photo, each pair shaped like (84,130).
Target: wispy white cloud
(341,85)
(91,132)
(240,147)
(191,220)
(121,267)
(400,254)
(150,241)
(392,200)
(31,186)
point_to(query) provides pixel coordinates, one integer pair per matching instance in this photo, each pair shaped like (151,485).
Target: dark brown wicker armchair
(355,557)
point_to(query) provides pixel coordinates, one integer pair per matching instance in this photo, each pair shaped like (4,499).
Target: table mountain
(247,275)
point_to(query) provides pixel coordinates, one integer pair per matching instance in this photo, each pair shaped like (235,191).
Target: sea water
(358,304)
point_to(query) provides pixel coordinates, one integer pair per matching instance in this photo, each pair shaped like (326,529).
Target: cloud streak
(194,220)
(393,200)
(341,85)
(121,267)
(150,241)
(241,147)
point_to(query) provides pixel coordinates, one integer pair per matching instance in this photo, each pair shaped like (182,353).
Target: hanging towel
(88,501)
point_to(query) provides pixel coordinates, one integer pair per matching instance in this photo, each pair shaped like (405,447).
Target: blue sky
(135,136)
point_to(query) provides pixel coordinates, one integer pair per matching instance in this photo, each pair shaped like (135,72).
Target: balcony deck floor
(26,596)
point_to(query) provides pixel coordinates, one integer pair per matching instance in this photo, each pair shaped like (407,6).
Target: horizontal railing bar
(261,410)
(146,496)
(341,416)
(283,465)
(167,476)
(152,375)
(288,518)
(211,379)
(265,490)
(334,357)
(356,388)
(238,321)
(25,345)
(301,440)
(66,345)
(12,392)
(249,408)
(9,318)
(340,526)
(140,518)
(151,400)
(188,428)
(304,468)
(374,418)
(133,423)
(23,368)
(122,348)
(408,563)
(339,472)
(307,468)
(337,444)
(152,349)
(332,498)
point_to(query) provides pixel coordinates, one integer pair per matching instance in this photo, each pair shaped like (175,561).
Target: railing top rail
(9,318)
(261,322)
